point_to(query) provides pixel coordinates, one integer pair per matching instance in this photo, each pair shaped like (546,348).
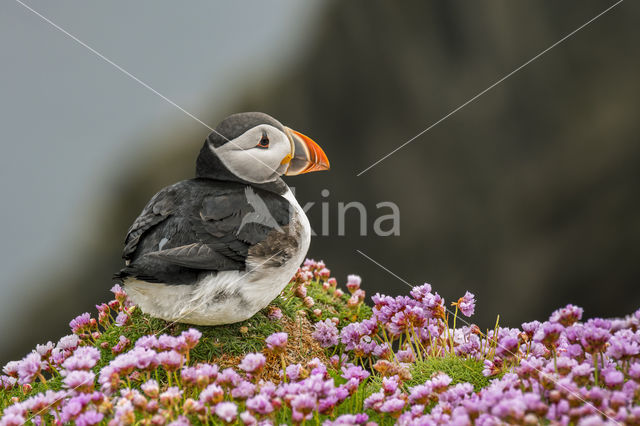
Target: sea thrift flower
(594,339)
(243,390)
(170,396)
(405,356)
(277,341)
(84,358)
(275,313)
(89,417)
(45,350)
(252,363)
(191,337)
(69,342)
(308,302)
(120,294)
(212,394)
(353,283)
(354,372)
(122,319)
(392,405)
(419,292)
(353,302)
(324,273)
(228,377)
(295,372)
(300,291)
(122,344)
(567,316)
(260,404)
(29,368)
(548,334)
(170,360)
(613,378)
(467,304)
(80,323)
(79,380)
(151,388)
(227,411)
(248,419)
(326,333)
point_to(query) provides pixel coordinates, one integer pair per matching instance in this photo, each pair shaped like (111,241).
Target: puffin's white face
(259,155)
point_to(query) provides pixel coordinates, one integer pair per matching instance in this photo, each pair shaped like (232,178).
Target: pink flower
(170,360)
(84,358)
(353,283)
(29,368)
(277,341)
(324,273)
(212,394)
(275,313)
(467,304)
(191,337)
(79,379)
(120,294)
(80,322)
(88,418)
(243,390)
(252,363)
(122,319)
(170,396)
(227,411)
(567,316)
(260,404)
(326,333)
(68,342)
(151,388)
(122,344)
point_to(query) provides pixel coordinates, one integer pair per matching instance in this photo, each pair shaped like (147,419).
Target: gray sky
(69,118)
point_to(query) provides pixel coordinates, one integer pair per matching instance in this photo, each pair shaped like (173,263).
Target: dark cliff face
(526,197)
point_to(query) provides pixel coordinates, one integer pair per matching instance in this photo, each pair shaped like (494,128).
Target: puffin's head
(256,148)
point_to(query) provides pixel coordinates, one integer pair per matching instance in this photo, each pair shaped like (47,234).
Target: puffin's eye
(264,142)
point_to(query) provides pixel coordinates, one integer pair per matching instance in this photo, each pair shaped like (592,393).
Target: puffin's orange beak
(307,156)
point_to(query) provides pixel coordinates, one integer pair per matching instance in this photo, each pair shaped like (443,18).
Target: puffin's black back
(200,226)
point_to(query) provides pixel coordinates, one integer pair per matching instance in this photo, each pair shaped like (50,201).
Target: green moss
(459,369)
(54,383)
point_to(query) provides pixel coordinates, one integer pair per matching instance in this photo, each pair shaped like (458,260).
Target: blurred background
(527,197)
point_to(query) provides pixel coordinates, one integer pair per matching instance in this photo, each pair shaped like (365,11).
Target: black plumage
(196,226)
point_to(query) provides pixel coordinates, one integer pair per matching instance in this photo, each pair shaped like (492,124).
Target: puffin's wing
(159,208)
(228,223)
(213,227)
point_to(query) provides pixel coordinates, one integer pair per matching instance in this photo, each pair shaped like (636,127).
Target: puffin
(218,248)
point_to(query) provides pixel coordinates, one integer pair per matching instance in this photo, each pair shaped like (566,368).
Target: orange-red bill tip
(307,155)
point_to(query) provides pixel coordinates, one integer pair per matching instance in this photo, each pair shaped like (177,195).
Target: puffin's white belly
(223,297)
